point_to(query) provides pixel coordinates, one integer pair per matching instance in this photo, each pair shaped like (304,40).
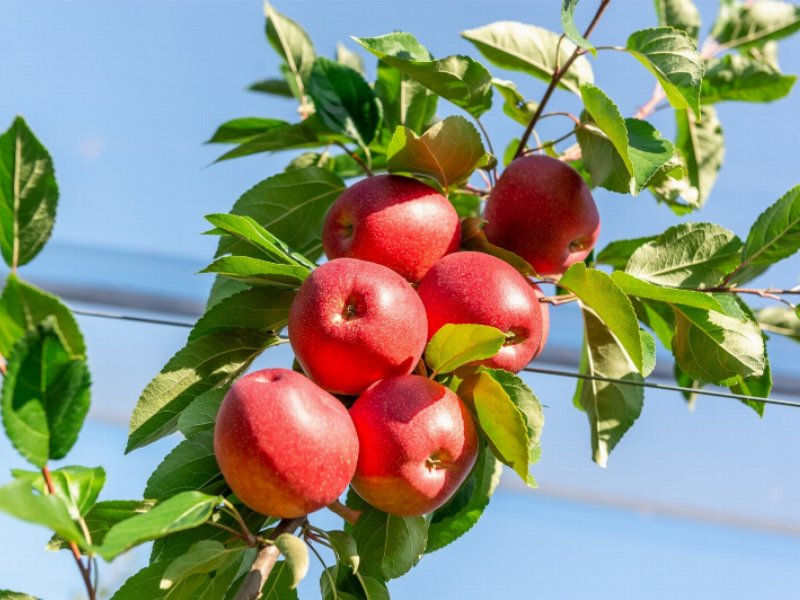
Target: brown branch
(558,74)
(265,561)
(351,515)
(356,158)
(76,553)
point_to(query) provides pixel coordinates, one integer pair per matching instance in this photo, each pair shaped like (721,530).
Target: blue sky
(124,93)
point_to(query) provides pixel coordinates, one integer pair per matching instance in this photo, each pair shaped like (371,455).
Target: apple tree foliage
(682,288)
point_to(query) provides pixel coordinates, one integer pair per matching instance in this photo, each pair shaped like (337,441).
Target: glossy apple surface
(394,221)
(418,443)
(473,287)
(354,322)
(542,210)
(285,446)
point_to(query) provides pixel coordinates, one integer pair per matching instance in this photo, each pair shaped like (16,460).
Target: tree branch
(265,561)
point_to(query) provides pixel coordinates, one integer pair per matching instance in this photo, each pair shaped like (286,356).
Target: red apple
(418,444)
(473,287)
(545,319)
(285,446)
(394,221)
(354,322)
(542,210)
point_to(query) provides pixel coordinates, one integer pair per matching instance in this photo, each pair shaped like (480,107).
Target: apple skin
(545,319)
(473,287)
(285,446)
(394,221)
(542,210)
(354,322)
(418,444)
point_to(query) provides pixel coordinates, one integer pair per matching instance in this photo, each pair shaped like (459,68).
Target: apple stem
(350,515)
(265,561)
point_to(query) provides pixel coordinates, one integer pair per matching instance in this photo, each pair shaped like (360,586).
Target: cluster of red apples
(359,324)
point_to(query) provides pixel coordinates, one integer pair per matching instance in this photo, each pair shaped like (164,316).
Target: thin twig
(554,142)
(558,300)
(489,144)
(356,158)
(561,113)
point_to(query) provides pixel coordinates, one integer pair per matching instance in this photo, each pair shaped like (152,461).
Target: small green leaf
(238,131)
(515,105)
(454,346)
(191,465)
(9,595)
(337,583)
(344,545)
(570,30)
(467,204)
(671,186)
(348,58)
(204,557)
(744,25)
(295,553)
(742,79)
(103,516)
(23,306)
(78,487)
(389,545)
(20,500)
(659,317)
(776,233)
(201,414)
(530,49)
(28,194)
(671,56)
(184,511)
(209,362)
(405,101)
(448,152)
(618,253)
(649,291)
(648,353)
(702,146)
(680,14)
(688,255)
(463,510)
(45,395)
(255,271)
(599,292)
(612,407)
(344,101)
(274,87)
(780,320)
(459,79)
(292,43)
(259,309)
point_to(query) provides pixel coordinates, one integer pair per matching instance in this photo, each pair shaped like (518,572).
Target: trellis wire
(539,370)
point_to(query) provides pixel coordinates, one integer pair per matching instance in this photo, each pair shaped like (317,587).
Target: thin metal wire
(554,372)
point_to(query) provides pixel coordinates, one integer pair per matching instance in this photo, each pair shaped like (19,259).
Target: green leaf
(618,253)
(780,320)
(687,255)
(454,346)
(599,292)
(389,545)
(292,43)
(337,583)
(237,131)
(648,353)
(206,363)
(295,553)
(184,511)
(277,585)
(310,133)
(20,500)
(28,194)
(463,510)
(348,58)
(776,233)
(744,25)
(45,396)
(636,144)
(345,547)
(201,414)
(671,186)
(344,101)
(78,487)
(736,77)
(23,306)
(103,516)
(467,205)
(510,416)
(191,465)
(649,291)
(702,145)
(255,271)
(570,30)
(680,14)
(9,595)
(671,56)
(147,584)
(711,346)
(612,407)
(515,105)
(274,87)
(459,79)
(659,317)
(405,101)
(448,152)
(265,310)
(205,556)
(292,206)
(530,49)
